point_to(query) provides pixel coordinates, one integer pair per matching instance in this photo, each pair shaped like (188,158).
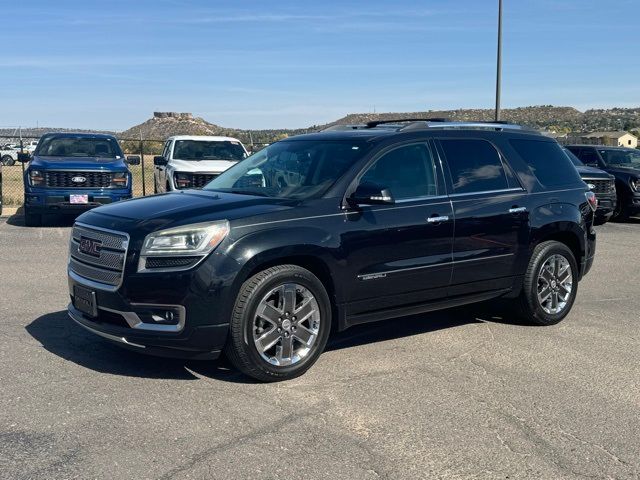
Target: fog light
(166,316)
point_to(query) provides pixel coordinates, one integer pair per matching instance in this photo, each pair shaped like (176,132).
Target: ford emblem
(78,179)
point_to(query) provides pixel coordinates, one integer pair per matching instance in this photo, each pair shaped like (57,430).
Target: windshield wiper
(246,192)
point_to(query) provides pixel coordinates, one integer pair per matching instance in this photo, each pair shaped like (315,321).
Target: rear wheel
(8,160)
(550,285)
(280,324)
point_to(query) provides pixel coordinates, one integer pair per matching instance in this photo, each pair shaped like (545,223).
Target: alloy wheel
(555,284)
(286,324)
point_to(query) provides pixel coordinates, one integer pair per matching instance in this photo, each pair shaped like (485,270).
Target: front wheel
(621,213)
(8,160)
(550,285)
(32,219)
(280,324)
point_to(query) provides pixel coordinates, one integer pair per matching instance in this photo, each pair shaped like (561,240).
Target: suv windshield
(208,150)
(79,147)
(297,169)
(625,158)
(575,160)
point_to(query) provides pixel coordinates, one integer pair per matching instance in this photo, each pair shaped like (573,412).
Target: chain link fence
(13,171)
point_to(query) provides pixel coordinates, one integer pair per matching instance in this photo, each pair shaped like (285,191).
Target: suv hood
(78,163)
(627,170)
(585,171)
(180,208)
(201,166)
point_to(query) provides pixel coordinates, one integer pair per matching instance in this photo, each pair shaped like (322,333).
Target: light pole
(499,61)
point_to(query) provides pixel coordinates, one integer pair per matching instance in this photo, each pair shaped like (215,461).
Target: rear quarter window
(547,162)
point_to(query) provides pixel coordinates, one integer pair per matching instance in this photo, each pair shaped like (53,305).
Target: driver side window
(408,172)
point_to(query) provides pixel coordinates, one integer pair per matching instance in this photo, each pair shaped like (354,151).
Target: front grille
(64,179)
(107,265)
(601,186)
(198,180)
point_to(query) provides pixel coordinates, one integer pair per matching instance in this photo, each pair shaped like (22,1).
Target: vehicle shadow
(48,220)
(62,337)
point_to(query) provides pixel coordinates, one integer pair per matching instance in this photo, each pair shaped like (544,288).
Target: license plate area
(78,199)
(85,301)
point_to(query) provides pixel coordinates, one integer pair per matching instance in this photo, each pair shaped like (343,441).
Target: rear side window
(475,166)
(547,162)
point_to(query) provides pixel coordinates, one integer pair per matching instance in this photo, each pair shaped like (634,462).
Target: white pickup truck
(192,161)
(9,154)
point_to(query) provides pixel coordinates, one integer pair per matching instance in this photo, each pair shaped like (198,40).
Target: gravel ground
(457,394)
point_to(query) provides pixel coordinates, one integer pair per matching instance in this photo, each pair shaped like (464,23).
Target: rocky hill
(547,117)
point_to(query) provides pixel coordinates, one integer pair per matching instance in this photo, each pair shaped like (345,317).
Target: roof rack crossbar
(375,123)
(343,127)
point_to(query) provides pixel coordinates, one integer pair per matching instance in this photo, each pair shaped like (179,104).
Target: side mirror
(133,159)
(371,194)
(159,161)
(24,157)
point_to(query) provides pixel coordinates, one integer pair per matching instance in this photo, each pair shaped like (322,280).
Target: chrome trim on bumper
(134,321)
(108,336)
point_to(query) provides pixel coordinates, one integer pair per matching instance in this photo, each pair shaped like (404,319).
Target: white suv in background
(192,161)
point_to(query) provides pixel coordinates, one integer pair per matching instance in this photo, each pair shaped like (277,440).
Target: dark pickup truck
(624,165)
(602,184)
(72,172)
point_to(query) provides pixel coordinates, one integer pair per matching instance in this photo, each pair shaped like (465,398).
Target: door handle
(440,219)
(517,209)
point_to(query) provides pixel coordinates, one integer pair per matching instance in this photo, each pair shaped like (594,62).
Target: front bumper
(606,207)
(124,317)
(50,200)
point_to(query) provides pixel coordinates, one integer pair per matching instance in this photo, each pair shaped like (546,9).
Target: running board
(395,312)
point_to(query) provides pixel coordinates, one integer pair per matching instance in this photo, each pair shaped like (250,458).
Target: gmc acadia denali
(334,229)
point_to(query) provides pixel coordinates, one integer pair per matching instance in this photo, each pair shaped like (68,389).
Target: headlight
(635,184)
(182,180)
(120,179)
(195,241)
(36,177)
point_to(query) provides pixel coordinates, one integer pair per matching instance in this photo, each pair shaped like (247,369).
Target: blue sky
(258,64)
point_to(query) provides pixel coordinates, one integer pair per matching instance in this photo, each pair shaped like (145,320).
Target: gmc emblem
(90,246)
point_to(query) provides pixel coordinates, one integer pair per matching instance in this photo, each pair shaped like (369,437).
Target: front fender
(246,254)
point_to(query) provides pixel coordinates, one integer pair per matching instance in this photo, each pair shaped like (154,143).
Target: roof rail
(417,125)
(375,123)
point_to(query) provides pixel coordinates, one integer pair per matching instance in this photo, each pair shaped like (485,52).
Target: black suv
(334,229)
(601,183)
(624,164)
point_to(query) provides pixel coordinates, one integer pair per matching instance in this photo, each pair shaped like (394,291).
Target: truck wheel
(620,214)
(550,285)
(32,219)
(8,160)
(280,324)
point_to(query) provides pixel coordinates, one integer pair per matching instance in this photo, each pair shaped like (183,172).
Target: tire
(32,219)
(528,306)
(620,214)
(266,291)
(8,160)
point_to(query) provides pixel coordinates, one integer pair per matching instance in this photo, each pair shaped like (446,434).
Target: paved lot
(451,395)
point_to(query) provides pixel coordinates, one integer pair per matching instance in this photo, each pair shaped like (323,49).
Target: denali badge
(89,246)
(79,179)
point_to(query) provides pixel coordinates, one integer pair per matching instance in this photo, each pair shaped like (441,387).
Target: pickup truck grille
(98,255)
(64,179)
(198,180)
(601,186)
